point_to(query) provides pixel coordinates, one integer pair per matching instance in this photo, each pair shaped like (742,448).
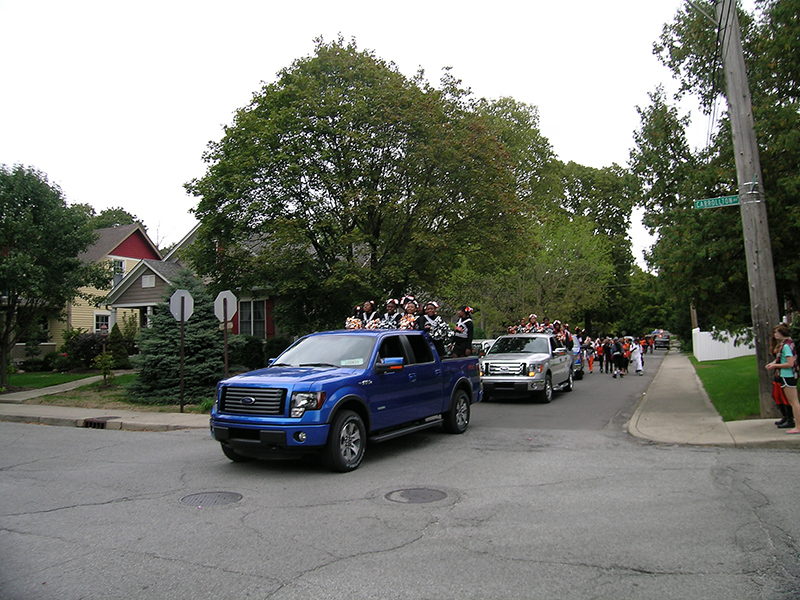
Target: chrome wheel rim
(350,441)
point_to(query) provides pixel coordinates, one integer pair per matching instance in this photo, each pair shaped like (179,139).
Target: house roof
(166,271)
(112,238)
(184,243)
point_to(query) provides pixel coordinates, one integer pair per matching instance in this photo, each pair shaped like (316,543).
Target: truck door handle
(438,372)
(412,376)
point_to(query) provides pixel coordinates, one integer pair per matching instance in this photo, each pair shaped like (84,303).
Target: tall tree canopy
(345,178)
(40,240)
(699,254)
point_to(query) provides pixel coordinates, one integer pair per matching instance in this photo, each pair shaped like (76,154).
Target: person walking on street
(786,364)
(636,358)
(617,357)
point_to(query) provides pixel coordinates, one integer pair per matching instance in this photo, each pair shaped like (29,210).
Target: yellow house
(123,247)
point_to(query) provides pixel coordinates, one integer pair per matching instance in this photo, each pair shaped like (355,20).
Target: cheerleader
(434,325)
(368,313)
(391,318)
(464,332)
(409,319)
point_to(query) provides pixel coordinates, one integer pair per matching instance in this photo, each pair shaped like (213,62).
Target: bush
(118,349)
(61,362)
(246,350)
(158,361)
(82,348)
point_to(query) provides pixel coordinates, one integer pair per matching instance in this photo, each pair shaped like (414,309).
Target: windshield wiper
(316,365)
(280,365)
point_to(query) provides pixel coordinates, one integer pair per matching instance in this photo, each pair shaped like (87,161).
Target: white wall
(707,348)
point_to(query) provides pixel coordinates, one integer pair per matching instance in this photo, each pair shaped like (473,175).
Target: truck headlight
(303,401)
(533,369)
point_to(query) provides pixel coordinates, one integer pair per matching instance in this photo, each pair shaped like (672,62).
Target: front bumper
(253,439)
(516,386)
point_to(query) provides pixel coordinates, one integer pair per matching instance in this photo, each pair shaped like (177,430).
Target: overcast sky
(116,101)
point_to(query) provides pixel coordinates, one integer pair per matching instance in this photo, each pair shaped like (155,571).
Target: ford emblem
(248,400)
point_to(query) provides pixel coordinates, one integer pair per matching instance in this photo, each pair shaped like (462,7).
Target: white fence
(707,348)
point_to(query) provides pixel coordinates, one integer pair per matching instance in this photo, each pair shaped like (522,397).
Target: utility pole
(758,249)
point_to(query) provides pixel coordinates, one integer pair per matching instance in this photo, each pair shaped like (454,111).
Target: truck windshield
(329,350)
(521,345)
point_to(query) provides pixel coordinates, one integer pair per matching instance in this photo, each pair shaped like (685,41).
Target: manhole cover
(210,499)
(416,495)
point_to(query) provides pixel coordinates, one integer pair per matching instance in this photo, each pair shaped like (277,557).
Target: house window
(148,281)
(119,270)
(253,318)
(102,322)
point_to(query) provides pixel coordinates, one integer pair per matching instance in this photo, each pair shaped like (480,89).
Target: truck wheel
(233,454)
(570,381)
(346,441)
(546,395)
(456,420)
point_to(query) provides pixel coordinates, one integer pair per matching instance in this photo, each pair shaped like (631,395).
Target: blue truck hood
(290,376)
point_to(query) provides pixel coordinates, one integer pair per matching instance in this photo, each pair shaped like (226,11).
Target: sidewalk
(674,410)
(677,410)
(13,409)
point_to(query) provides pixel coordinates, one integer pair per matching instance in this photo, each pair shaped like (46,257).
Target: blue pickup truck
(331,392)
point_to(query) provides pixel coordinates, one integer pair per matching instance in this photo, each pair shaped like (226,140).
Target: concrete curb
(676,409)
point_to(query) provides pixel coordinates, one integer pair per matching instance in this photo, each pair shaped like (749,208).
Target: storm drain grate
(416,495)
(206,499)
(97,422)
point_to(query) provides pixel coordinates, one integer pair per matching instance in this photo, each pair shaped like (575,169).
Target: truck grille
(504,368)
(252,401)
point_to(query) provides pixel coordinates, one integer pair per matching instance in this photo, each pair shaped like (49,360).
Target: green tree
(117,348)
(700,254)
(158,363)
(40,240)
(605,197)
(345,179)
(109,217)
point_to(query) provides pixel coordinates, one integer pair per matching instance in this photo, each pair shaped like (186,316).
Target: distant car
(661,339)
(580,360)
(481,347)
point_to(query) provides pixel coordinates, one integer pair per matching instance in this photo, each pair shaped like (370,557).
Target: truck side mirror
(389,364)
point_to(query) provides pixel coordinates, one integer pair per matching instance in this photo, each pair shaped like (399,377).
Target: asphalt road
(598,402)
(550,508)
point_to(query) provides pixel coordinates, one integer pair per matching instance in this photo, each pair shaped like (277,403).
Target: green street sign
(715,202)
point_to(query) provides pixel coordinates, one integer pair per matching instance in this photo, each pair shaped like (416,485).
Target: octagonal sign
(175,304)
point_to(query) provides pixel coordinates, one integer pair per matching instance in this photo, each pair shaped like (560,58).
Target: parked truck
(332,392)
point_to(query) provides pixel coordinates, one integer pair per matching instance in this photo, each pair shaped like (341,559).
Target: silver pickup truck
(523,365)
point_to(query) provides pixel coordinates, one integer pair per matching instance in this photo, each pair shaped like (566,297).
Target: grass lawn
(40,380)
(732,385)
(97,395)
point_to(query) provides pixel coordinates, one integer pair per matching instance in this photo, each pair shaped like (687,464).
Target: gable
(135,246)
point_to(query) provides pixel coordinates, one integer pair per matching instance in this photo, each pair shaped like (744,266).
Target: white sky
(116,101)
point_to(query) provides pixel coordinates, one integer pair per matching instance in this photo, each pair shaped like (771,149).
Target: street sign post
(225,308)
(181,305)
(717,202)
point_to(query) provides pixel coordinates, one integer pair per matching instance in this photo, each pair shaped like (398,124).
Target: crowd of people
(615,355)
(410,314)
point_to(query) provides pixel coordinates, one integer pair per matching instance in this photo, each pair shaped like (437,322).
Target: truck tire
(456,420)
(546,395)
(570,381)
(233,454)
(346,442)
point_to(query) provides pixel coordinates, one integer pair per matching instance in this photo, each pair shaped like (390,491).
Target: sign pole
(183,325)
(758,249)
(225,331)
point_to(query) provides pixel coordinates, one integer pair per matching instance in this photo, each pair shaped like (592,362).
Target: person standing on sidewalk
(786,363)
